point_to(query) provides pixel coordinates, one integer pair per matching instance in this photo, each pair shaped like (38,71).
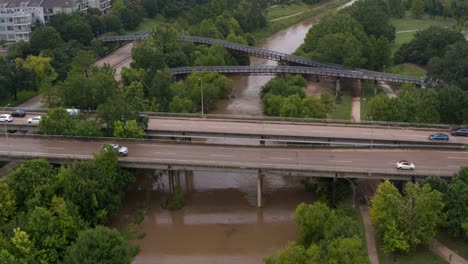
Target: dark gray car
(459,132)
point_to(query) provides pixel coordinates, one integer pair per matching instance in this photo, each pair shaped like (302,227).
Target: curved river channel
(220,222)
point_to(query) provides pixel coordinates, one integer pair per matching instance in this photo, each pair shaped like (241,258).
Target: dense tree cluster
(359,39)
(286,97)
(428,43)
(447,104)
(455,195)
(326,236)
(402,222)
(43,210)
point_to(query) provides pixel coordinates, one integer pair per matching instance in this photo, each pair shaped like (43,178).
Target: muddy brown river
(220,222)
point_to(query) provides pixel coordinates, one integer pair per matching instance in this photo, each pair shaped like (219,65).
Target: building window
(10,28)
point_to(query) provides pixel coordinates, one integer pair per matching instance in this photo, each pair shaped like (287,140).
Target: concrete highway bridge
(255,160)
(278,56)
(276,130)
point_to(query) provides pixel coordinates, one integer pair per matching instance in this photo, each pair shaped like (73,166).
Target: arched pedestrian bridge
(325,72)
(281,57)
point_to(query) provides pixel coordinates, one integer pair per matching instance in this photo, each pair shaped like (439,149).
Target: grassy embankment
(458,245)
(421,256)
(367,92)
(406,27)
(343,108)
(23,96)
(291,15)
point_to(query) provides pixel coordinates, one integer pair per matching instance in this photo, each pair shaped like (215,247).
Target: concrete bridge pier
(260,189)
(375,87)
(262,141)
(170,174)
(337,87)
(188,180)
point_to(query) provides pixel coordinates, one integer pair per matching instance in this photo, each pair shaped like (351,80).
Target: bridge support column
(170,174)
(337,87)
(375,87)
(188,181)
(317,78)
(259,189)
(333,202)
(262,141)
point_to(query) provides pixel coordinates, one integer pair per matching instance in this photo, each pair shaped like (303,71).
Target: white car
(73,111)
(123,151)
(34,120)
(405,165)
(6,118)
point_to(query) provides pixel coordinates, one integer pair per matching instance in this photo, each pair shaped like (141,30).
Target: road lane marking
(275,129)
(452,166)
(221,155)
(170,125)
(53,148)
(339,161)
(216,126)
(276,158)
(165,153)
(458,158)
(367,133)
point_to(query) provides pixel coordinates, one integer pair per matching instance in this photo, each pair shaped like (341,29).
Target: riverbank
(292,17)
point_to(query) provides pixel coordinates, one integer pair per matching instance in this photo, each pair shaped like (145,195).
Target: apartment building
(18,16)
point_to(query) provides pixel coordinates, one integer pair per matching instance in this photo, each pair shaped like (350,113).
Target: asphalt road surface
(160,124)
(427,162)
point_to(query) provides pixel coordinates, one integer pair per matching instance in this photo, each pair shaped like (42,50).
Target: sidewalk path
(444,252)
(387,89)
(370,238)
(356,102)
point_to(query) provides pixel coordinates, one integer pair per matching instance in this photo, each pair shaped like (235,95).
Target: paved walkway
(356,102)
(445,253)
(370,238)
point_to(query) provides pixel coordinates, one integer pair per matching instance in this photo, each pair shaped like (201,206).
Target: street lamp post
(201,96)
(354,191)
(372,134)
(6,133)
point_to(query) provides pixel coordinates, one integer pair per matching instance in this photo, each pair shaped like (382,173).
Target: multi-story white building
(18,16)
(102,5)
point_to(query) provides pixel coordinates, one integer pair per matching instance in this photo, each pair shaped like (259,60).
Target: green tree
(128,129)
(340,48)
(312,221)
(456,205)
(385,209)
(7,203)
(374,16)
(451,67)
(33,183)
(313,108)
(292,107)
(328,101)
(181,105)
(100,244)
(346,250)
(426,44)
(417,8)
(291,254)
(56,122)
(23,246)
(453,105)
(45,38)
(394,240)
(43,72)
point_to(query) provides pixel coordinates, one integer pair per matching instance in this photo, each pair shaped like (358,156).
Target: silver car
(6,118)
(405,165)
(123,151)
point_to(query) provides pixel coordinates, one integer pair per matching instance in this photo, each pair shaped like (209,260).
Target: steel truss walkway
(277,56)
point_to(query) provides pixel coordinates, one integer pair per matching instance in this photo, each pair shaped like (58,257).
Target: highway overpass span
(258,160)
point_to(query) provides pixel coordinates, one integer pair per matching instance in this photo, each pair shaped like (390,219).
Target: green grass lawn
(367,92)
(458,245)
(407,69)
(422,255)
(146,24)
(22,97)
(278,11)
(275,26)
(411,24)
(343,108)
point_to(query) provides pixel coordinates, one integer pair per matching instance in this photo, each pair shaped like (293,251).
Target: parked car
(18,113)
(459,132)
(405,165)
(6,118)
(34,120)
(123,151)
(439,137)
(73,111)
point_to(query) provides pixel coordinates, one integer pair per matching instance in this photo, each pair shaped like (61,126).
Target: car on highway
(123,151)
(73,111)
(405,165)
(439,137)
(6,118)
(18,113)
(459,132)
(34,120)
